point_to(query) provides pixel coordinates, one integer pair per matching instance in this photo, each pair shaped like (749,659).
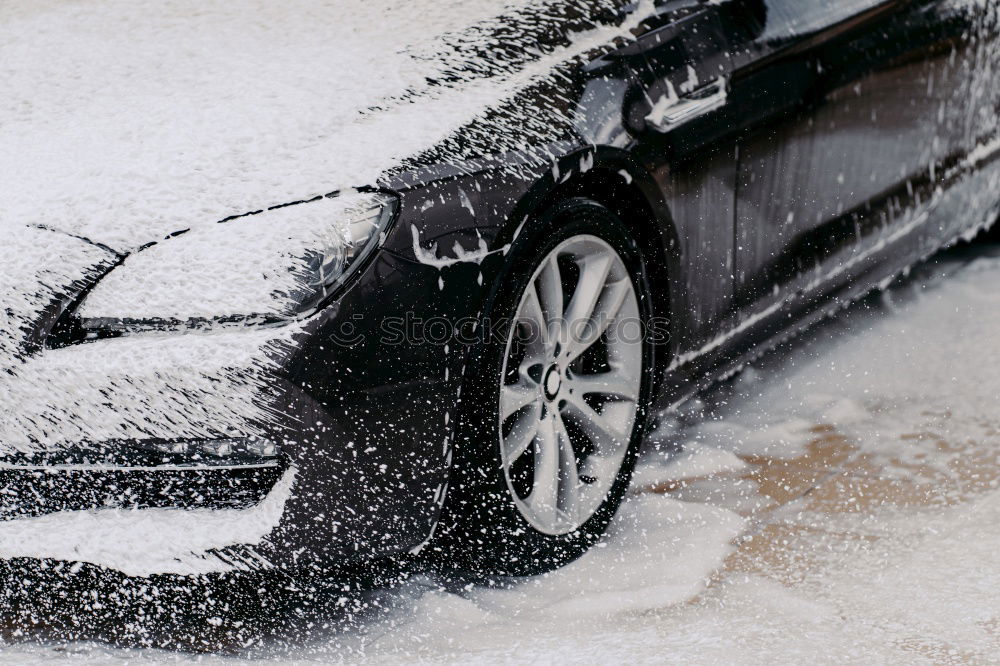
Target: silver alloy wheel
(570,384)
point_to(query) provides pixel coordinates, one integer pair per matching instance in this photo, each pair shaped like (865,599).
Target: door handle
(671,111)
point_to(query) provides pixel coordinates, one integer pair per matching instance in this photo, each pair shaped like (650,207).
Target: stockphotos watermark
(412,330)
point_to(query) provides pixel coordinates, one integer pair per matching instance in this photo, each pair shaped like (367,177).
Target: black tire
(481,530)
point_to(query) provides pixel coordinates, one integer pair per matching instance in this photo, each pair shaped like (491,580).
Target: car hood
(122,122)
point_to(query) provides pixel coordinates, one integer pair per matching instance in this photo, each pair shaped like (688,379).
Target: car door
(849,111)
(683,134)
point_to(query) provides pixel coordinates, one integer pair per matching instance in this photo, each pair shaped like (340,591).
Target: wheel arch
(616,180)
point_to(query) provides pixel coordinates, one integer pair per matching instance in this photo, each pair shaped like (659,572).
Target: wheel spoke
(521,435)
(602,433)
(604,312)
(569,475)
(531,313)
(544,497)
(514,397)
(613,383)
(549,288)
(594,271)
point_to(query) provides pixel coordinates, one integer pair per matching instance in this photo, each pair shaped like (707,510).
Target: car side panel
(879,122)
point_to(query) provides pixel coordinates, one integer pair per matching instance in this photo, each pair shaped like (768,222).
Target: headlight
(279,264)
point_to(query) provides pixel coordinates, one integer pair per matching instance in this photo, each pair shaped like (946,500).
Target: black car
(592,209)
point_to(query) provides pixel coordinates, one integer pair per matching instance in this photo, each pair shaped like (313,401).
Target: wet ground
(838,501)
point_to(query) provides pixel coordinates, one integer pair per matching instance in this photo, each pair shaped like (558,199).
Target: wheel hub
(552,383)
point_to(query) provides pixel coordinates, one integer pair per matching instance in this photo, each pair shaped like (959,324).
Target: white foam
(142,542)
(695,461)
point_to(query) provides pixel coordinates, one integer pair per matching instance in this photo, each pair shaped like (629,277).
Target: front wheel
(555,406)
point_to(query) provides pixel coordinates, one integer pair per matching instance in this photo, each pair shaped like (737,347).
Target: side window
(795,18)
